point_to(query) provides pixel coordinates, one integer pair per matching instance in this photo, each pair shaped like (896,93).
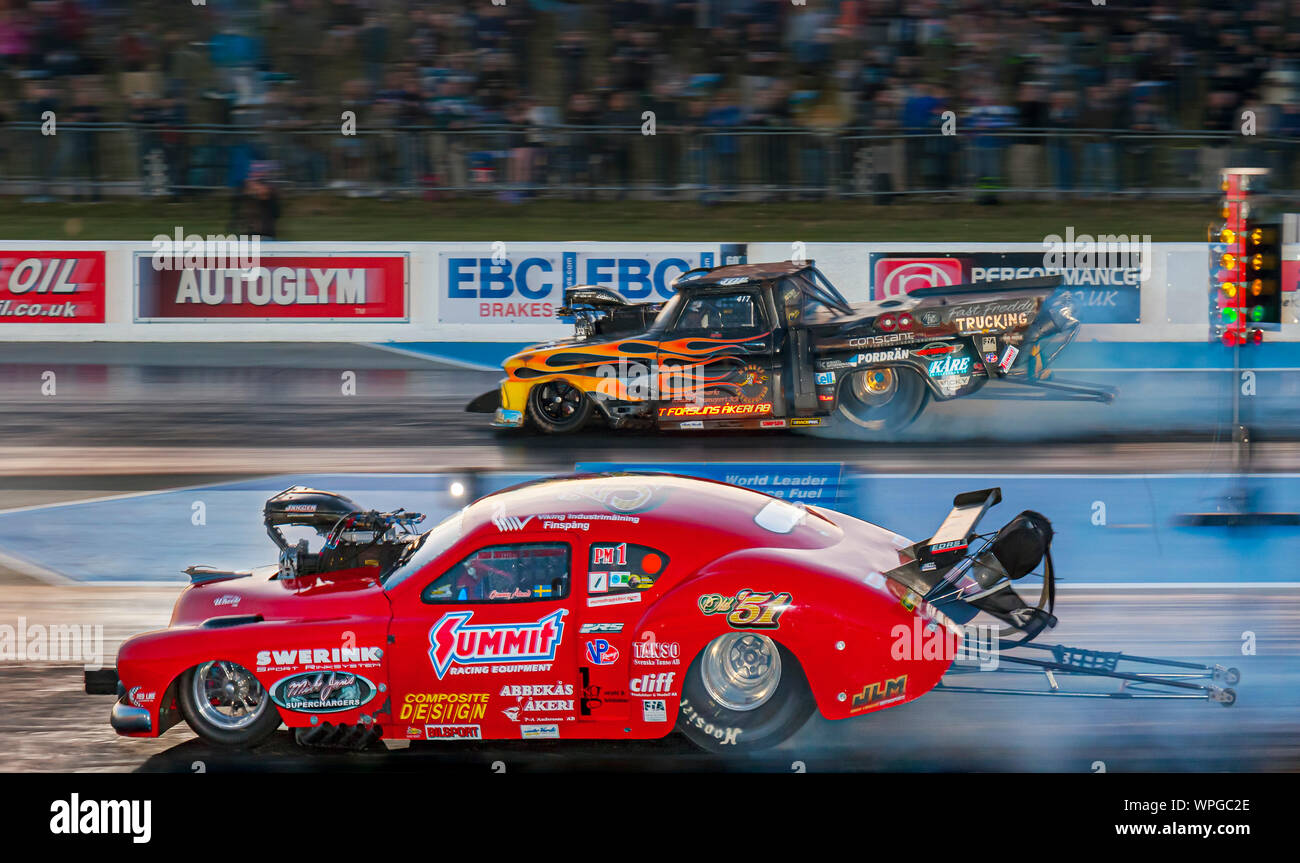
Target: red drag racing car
(597,607)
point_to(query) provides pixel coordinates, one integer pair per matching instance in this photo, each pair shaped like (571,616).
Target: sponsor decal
(988,345)
(654,710)
(1008,358)
(693,424)
(525,283)
(506,523)
(896,277)
(748,609)
(370,287)
(138,696)
(879,694)
(539,698)
(734,409)
(725,735)
(929,318)
(825,379)
(229,599)
(517,593)
(825,397)
(601,628)
(950,545)
(771,424)
(539,732)
(443,706)
(270,660)
(880,357)
(948,366)
(52,287)
(653,684)
(612,599)
(413,733)
(806,421)
(651,652)
(601,652)
(997,315)
(300,507)
(882,341)
(937,348)
(453,732)
(322,692)
(455,642)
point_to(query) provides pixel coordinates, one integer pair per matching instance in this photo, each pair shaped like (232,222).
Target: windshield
(432,545)
(667,313)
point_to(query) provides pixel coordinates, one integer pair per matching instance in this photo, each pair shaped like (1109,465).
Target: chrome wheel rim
(559,400)
(228,695)
(874,387)
(741,670)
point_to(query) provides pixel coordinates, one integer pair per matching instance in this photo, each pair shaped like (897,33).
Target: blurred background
(751,99)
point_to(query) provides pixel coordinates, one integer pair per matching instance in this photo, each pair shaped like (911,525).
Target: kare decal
(949,366)
(322,692)
(454,642)
(443,706)
(748,609)
(880,694)
(601,652)
(453,732)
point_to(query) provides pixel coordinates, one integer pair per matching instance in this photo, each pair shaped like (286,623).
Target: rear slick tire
(558,407)
(733,700)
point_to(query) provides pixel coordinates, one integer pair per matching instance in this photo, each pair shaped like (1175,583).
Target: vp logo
(601,652)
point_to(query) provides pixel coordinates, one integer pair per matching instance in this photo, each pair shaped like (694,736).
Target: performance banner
(52,287)
(279,288)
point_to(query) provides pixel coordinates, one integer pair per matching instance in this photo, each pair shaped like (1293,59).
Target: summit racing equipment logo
(453,641)
(900,276)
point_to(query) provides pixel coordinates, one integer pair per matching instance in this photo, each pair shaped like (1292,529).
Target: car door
(715,360)
(485,646)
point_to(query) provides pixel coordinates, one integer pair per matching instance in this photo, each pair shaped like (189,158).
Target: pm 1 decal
(748,609)
(322,692)
(454,642)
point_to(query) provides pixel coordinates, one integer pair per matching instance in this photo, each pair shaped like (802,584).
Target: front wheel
(558,407)
(743,692)
(224,703)
(882,400)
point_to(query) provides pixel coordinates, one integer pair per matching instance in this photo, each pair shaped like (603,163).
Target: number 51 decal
(748,609)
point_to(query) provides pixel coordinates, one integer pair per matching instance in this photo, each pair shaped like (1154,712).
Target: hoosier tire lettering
(725,736)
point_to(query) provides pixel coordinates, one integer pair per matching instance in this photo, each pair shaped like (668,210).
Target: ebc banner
(280,288)
(512,284)
(52,287)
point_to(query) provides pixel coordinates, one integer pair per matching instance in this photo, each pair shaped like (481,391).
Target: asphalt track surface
(134,418)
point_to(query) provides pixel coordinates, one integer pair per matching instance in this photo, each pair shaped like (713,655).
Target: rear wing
(953,537)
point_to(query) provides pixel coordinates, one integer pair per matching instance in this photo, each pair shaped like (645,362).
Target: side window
(525,572)
(623,567)
(726,315)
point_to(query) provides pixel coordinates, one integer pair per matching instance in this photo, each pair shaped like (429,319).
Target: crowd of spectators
(447,94)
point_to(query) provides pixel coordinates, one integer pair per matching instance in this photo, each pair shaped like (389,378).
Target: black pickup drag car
(776,346)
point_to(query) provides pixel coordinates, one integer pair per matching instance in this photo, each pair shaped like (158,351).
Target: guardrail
(751,163)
